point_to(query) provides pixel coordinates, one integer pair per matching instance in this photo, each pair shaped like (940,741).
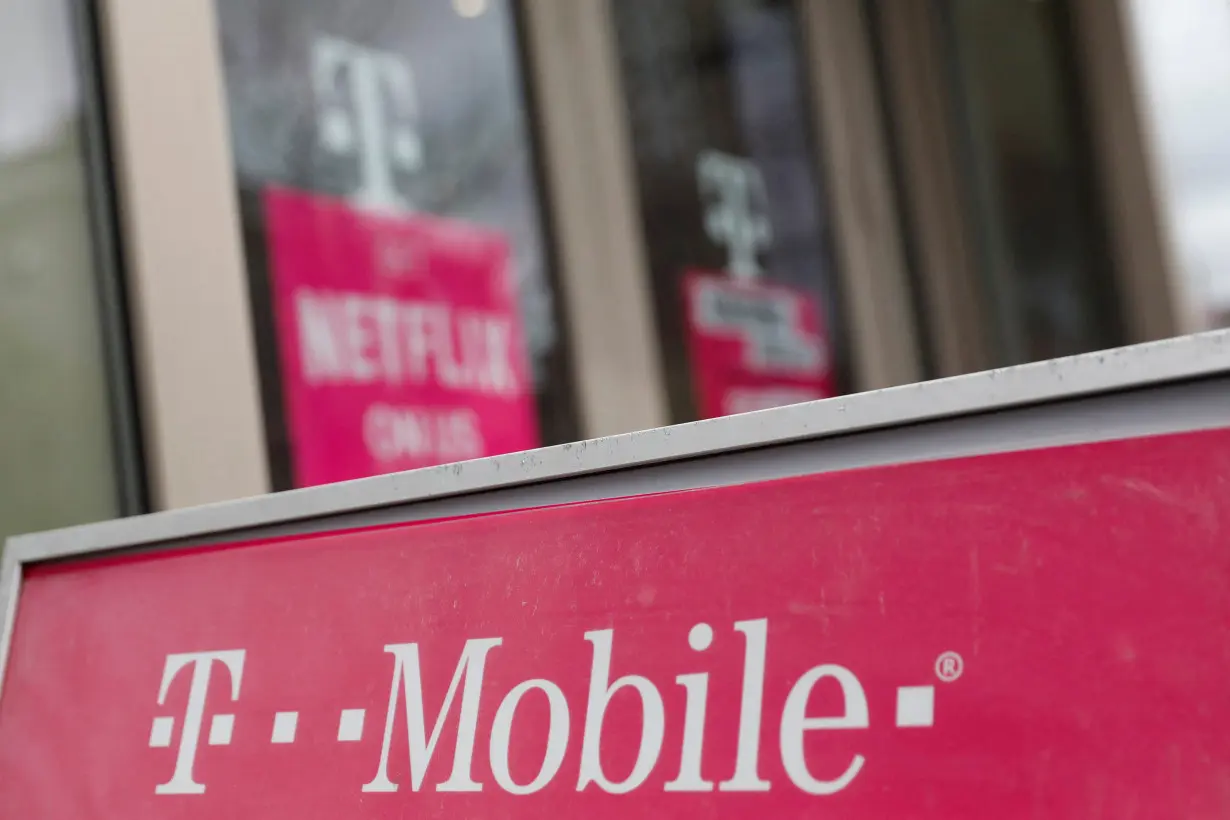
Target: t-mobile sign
(753,345)
(1037,634)
(399,337)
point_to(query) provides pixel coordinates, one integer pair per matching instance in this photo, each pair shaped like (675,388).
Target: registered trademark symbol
(949,667)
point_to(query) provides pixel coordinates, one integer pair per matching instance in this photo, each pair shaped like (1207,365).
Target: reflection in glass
(395,106)
(57,461)
(1044,263)
(728,183)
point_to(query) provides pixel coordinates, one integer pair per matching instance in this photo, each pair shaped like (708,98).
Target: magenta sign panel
(399,339)
(1039,634)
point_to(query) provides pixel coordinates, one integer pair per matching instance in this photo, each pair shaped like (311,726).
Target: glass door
(736,227)
(405,307)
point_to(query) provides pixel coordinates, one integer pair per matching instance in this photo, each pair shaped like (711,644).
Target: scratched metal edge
(10,586)
(1110,371)
(1142,365)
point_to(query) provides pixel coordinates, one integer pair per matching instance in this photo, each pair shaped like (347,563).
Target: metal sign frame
(1171,386)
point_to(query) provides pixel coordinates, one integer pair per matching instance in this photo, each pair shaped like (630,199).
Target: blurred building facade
(250,245)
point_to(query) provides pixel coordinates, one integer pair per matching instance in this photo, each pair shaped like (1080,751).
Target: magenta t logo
(220,727)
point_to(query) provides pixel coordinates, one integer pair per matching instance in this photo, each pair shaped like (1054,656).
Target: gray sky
(1185,51)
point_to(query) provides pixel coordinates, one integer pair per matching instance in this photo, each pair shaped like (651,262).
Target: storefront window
(737,233)
(1032,199)
(393,233)
(61,376)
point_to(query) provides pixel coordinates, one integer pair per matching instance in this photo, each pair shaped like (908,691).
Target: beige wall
(886,346)
(593,201)
(1142,243)
(196,367)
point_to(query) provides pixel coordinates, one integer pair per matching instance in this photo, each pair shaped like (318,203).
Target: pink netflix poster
(399,339)
(753,345)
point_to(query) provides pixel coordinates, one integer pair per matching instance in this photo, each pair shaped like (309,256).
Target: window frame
(132,495)
(1123,178)
(187,299)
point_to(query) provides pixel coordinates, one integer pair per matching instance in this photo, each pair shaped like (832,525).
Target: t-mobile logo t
(733,193)
(202,663)
(367,107)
